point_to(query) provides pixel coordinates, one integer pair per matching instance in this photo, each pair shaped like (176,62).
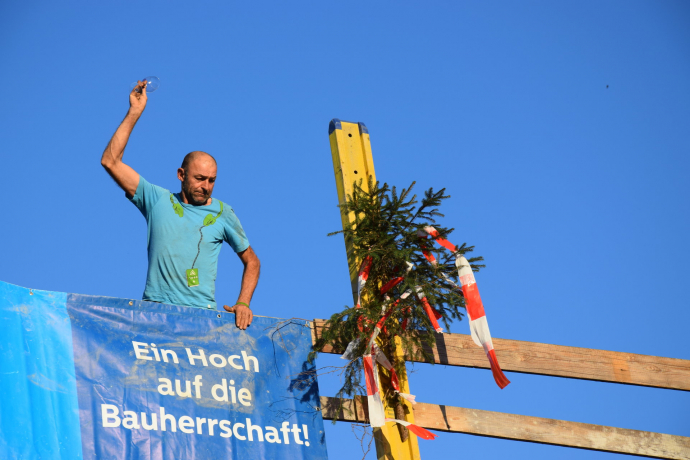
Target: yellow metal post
(352,160)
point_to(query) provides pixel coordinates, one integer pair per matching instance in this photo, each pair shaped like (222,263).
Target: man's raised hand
(243,315)
(138,98)
(125,176)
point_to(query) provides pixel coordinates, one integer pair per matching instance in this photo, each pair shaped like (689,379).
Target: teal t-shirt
(175,231)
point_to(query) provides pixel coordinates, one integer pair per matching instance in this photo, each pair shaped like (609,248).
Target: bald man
(185,230)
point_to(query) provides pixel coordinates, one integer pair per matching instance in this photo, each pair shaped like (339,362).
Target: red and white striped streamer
(433,314)
(432,260)
(371,377)
(416,429)
(377,414)
(479,327)
(377,417)
(381,357)
(362,277)
(382,360)
(387,312)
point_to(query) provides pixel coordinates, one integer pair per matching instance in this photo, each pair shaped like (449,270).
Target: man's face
(198,180)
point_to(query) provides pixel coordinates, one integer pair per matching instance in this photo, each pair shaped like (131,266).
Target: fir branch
(385,226)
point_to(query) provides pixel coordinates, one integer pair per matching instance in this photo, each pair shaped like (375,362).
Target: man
(186,229)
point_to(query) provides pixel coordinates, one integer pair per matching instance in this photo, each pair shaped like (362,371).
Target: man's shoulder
(155,187)
(227,210)
(147,195)
(234,233)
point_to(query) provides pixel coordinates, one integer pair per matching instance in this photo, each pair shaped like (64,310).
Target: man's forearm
(250,278)
(115,149)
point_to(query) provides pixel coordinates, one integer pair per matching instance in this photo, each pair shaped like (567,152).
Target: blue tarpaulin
(105,378)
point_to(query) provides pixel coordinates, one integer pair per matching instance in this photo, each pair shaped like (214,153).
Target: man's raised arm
(125,176)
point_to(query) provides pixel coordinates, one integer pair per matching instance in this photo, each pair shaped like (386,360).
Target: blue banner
(105,378)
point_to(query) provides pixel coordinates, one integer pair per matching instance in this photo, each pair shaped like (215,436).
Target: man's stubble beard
(190,195)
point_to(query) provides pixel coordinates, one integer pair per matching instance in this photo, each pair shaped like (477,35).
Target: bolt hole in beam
(355,171)
(349,134)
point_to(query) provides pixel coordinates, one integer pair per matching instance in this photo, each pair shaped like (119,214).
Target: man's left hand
(243,315)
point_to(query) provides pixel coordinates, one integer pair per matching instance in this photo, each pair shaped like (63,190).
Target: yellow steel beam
(352,160)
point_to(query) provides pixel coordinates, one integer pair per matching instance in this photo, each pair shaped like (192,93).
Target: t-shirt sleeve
(234,233)
(146,196)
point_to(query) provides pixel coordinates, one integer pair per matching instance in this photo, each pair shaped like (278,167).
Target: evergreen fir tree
(385,228)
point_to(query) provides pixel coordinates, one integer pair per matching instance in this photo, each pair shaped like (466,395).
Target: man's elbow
(255,262)
(250,259)
(107,163)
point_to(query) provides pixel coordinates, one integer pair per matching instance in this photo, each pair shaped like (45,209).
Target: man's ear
(180,174)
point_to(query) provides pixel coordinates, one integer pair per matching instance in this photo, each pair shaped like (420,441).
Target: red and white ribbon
(416,429)
(387,312)
(377,417)
(377,414)
(395,382)
(432,260)
(433,314)
(362,277)
(381,357)
(371,377)
(479,327)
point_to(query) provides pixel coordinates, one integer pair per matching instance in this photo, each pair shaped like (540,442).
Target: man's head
(198,176)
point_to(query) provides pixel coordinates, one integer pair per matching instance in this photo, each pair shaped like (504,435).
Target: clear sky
(559,128)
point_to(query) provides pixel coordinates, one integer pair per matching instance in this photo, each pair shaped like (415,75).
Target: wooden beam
(528,429)
(354,410)
(558,361)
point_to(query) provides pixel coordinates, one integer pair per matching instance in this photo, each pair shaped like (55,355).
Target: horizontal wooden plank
(559,361)
(528,429)
(355,410)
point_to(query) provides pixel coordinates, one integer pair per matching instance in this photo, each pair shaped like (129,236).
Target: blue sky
(576,194)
